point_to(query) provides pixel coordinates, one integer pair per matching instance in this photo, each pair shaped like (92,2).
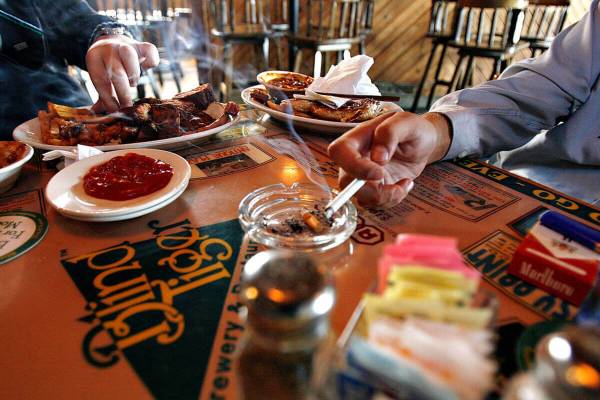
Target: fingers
(113,67)
(129,58)
(101,80)
(378,195)
(148,55)
(350,150)
(98,107)
(120,82)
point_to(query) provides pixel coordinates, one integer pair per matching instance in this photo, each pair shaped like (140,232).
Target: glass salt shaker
(285,350)
(567,366)
(272,217)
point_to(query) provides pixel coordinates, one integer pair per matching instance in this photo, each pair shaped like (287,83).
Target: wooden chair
(366,24)
(252,29)
(440,32)
(482,29)
(327,26)
(544,19)
(498,40)
(278,22)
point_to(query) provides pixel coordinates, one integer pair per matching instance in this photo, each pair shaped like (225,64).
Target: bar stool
(440,32)
(254,29)
(280,27)
(332,26)
(487,41)
(544,19)
(483,29)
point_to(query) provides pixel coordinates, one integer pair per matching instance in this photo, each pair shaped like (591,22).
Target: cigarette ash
(296,223)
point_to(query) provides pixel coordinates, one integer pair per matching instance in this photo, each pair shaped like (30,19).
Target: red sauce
(291,82)
(127,177)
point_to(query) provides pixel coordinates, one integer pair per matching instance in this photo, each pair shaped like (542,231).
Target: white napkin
(71,156)
(348,77)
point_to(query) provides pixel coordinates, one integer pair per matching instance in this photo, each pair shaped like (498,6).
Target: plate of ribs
(314,115)
(150,122)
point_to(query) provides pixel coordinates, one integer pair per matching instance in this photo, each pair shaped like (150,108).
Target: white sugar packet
(71,156)
(348,77)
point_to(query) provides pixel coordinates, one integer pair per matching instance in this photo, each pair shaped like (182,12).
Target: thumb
(98,107)
(148,55)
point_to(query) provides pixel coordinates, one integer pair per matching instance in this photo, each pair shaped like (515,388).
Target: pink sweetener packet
(427,250)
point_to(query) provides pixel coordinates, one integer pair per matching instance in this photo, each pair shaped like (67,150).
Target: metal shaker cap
(285,291)
(568,363)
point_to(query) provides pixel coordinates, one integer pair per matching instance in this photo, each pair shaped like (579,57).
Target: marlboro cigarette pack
(554,262)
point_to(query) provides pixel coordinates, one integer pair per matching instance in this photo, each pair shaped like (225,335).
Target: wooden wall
(400,47)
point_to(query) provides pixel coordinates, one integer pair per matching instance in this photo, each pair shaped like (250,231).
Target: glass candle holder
(272,216)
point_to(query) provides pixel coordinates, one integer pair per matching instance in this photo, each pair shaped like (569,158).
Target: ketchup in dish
(127,177)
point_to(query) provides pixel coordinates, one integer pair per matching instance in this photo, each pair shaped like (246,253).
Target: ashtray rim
(257,231)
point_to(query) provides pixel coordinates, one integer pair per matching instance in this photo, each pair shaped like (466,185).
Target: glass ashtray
(273,216)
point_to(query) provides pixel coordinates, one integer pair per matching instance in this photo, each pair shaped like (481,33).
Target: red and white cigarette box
(560,266)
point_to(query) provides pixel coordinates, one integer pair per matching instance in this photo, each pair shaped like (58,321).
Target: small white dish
(29,132)
(66,195)
(313,124)
(10,173)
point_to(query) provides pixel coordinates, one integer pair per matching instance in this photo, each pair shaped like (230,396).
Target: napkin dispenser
(559,255)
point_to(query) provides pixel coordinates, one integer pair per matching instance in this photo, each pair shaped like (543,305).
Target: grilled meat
(232,109)
(195,122)
(147,119)
(201,96)
(353,111)
(260,95)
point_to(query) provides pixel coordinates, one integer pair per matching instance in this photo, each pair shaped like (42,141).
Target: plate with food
(13,155)
(150,122)
(314,115)
(118,185)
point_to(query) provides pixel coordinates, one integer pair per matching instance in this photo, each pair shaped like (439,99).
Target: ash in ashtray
(302,222)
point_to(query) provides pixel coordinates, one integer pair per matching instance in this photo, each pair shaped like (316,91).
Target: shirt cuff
(465,140)
(109,26)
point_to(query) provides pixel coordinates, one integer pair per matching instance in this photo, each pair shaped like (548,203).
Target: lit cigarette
(343,197)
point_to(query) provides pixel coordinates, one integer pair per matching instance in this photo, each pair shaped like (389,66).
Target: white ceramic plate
(318,125)
(66,195)
(29,132)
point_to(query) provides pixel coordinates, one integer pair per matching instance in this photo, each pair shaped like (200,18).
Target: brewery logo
(157,303)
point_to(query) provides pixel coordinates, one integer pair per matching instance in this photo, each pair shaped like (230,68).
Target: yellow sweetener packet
(434,309)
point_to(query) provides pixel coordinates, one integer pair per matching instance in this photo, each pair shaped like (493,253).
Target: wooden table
(148,307)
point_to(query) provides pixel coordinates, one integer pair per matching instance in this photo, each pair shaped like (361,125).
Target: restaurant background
(400,48)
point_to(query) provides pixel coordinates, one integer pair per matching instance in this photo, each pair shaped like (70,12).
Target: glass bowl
(265,215)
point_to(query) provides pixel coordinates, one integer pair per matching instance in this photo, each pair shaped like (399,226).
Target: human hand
(113,63)
(390,151)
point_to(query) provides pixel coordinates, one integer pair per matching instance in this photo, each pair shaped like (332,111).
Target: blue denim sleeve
(68,25)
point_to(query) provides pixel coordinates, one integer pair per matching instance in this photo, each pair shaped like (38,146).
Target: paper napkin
(348,77)
(73,155)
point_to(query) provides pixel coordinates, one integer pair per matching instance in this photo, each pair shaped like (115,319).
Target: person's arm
(69,26)
(529,97)
(90,41)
